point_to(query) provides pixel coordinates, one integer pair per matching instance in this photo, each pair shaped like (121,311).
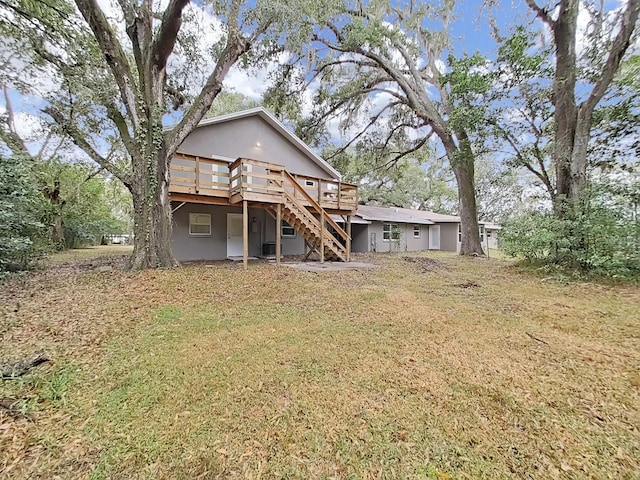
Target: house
(491,231)
(243,185)
(381,229)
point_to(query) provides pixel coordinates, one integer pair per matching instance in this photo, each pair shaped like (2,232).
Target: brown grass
(397,372)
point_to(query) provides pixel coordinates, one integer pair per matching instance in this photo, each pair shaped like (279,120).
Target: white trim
(267,116)
(192,222)
(419,231)
(390,232)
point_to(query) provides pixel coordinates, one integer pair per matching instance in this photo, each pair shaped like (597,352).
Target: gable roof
(384,214)
(278,126)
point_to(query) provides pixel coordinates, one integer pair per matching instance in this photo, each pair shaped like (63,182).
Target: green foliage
(230,102)
(411,182)
(498,190)
(601,240)
(469,80)
(86,207)
(22,235)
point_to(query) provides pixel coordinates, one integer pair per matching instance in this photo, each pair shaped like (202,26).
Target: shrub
(603,240)
(22,235)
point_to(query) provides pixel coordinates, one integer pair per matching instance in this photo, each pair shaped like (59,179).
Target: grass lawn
(434,367)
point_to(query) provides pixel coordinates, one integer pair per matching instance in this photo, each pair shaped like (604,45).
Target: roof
(438,217)
(409,215)
(383,214)
(491,226)
(271,119)
(354,220)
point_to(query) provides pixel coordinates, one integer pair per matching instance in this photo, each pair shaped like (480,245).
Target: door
(234,235)
(434,237)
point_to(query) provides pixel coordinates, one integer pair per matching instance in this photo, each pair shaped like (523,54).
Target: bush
(22,235)
(603,240)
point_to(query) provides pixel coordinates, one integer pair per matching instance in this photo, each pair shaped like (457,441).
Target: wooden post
(322,237)
(245,233)
(197,174)
(278,232)
(320,191)
(339,193)
(348,238)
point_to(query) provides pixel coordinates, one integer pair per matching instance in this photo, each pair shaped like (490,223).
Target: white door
(234,235)
(434,237)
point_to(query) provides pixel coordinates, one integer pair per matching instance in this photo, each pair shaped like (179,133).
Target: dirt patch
(329,266)
(466,285)
(101,264)
(425,264)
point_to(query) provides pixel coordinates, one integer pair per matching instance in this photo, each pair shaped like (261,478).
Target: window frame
(284,224)
(419,231)
(192,222)
(393,227)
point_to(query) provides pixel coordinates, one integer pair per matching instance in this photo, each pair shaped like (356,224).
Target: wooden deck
(205,180)
(302,201)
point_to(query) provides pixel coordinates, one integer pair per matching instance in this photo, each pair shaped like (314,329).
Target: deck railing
(199,175)
(262,181)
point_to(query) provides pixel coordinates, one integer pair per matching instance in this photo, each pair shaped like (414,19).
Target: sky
(470,32)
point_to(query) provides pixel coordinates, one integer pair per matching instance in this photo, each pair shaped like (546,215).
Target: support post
(348,238)
(322,237)
(278,233)
(197,174)
(245,233)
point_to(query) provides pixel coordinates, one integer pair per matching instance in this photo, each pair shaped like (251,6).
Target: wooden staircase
(312,222)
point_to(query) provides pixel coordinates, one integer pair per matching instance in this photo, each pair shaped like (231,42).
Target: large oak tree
(387,63)
(121,73)
(575,96)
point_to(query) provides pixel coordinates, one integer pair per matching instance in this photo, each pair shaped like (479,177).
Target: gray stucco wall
(214,247)
(238,138)
(416,244)
(406,242)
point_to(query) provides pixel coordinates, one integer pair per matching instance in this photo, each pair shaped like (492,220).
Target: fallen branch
(536,338)
(9,405)
(8,370)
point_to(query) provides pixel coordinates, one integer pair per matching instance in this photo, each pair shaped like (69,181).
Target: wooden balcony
(255,181)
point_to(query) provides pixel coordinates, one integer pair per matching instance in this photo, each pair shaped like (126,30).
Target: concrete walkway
(328,266)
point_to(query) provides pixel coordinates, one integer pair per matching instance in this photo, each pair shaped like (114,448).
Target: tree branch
(78,138)
(114,55)
(11,137)
(618,49)
(541,13)
(165,39)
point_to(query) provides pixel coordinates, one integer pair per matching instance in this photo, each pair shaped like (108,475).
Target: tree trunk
(152,214)
(564,102)
(462,162)
(57,231)
(470,241)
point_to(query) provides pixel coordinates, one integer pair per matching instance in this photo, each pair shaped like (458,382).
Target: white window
(199,224)
(390,231)
(481,227)
(459,233)
(310,183)
(287,230)
(416,231)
